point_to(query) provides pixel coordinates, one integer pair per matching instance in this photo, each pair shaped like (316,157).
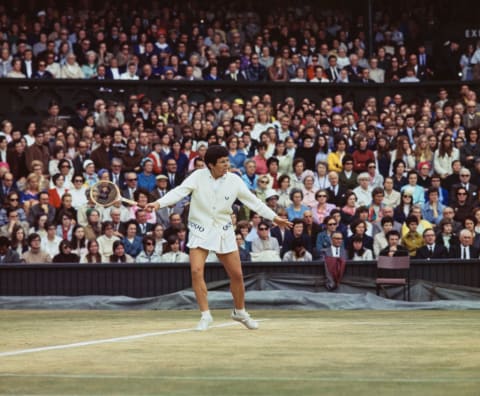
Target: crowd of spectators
(306,43)
(357,179)
(410,169)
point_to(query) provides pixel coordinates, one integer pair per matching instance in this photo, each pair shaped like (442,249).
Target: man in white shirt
(131,73)
(51,243)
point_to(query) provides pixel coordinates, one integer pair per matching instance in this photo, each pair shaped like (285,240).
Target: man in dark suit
(233,74)
(142,226)
(131,179)
(82,155)
(393,249)
(276,232)
(464,250)
(332,72)
(7,185)
(472,189)
(116,173)
(420,71)
(174,178)
(337,194)
(425,60)
(431,250)
(353,69)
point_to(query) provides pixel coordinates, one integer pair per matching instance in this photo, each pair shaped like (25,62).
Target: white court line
(112,340)
(245,379)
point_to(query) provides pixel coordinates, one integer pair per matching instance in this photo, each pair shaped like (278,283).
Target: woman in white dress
(213,191)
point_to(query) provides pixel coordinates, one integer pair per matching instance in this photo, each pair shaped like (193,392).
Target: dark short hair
(146,239)
(386,219)
(214,153)
(392,232)
(4,241)
(33,236)
(411,219)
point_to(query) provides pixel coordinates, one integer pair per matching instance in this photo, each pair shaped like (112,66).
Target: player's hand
(282,222)
(153,206)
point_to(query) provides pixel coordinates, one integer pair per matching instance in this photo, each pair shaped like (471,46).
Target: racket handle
(129,201)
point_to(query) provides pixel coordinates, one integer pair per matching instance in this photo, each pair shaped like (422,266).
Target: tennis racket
(105,193)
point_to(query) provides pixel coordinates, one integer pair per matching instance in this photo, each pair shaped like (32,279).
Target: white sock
(206,314)
(240,311)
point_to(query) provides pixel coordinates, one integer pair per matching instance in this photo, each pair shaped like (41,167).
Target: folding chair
(399,270)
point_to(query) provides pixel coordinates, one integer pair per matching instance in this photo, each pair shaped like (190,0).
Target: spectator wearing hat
(102,155)
(79,120)
(89,173)
(146,179)
(363,192)
(271,199)
(161,187)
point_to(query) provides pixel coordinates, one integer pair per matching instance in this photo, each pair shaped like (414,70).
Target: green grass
(293,353)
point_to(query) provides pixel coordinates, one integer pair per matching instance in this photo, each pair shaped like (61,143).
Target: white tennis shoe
(204,323)
(245,319)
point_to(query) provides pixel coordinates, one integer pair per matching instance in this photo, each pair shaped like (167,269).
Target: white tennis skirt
(222,243)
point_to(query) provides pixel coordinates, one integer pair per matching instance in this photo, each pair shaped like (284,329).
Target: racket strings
(104,193)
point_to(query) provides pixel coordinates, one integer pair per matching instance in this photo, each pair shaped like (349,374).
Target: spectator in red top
(260,159)
(361,155)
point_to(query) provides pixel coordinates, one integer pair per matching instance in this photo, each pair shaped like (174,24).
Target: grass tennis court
(293,353)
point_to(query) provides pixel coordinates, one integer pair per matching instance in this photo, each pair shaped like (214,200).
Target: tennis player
(213,191)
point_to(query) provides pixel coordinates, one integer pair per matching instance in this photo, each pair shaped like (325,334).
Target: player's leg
(233,266)
(197,267)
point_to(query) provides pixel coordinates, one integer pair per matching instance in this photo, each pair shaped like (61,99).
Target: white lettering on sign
(472,33)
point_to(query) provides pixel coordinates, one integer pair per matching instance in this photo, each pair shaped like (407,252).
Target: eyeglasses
(332,224)
(78,181)
(65,166)
(149,244)
(263,181)
(407,196)
(132,179)
(262,228)
(321,196)
(13,199)
(464,175)
(461,193)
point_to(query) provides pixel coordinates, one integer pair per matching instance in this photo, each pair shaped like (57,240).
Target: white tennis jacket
(210,210)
